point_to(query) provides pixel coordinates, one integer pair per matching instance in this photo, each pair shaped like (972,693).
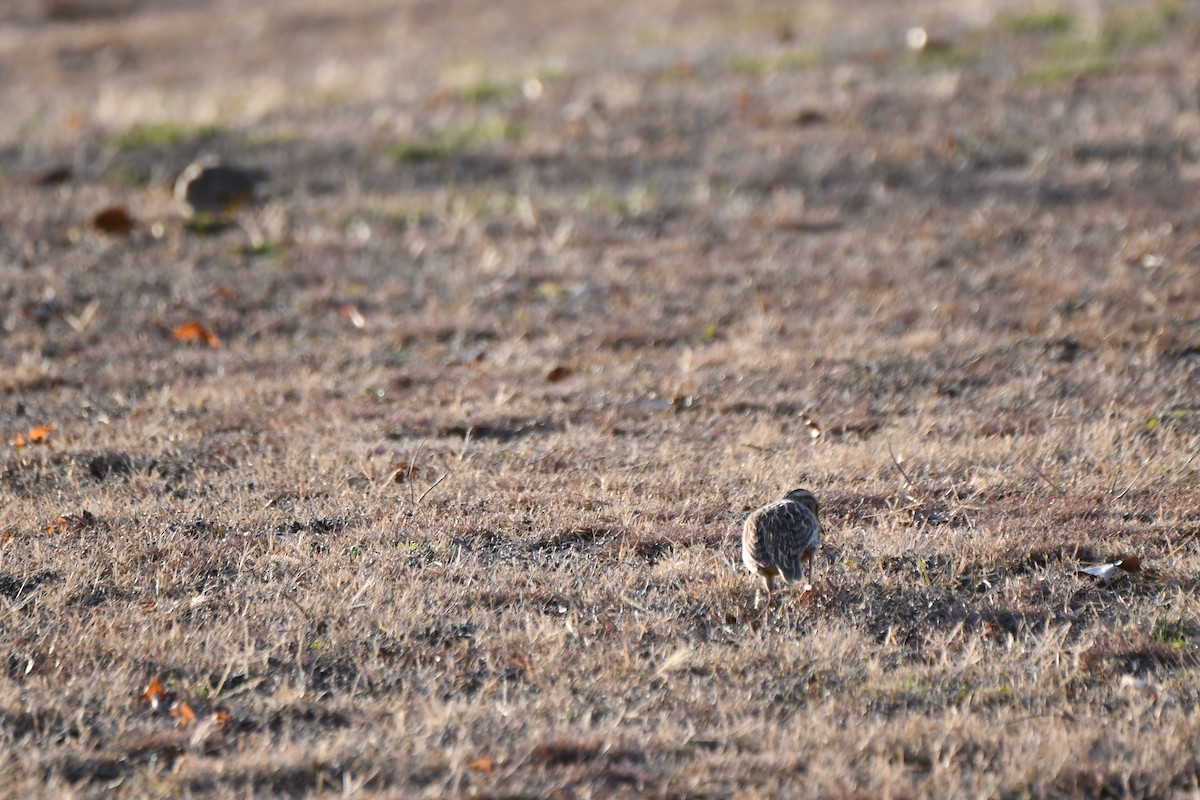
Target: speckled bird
(781,539)
(207,188)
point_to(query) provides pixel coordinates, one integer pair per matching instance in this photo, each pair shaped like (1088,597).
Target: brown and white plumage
(781,539)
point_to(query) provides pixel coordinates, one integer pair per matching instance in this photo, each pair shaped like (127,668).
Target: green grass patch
(1072,58)
(1174,633)
(473,82)
(260,250)
(553,74)
(1061,72)
(944,58)
(457,140)
(161,134)
(267,139)
(1172,416)
(128,176)
(1037,21)
(416,152)
(205,225)
(1130,27)
(758,65)
(632,202)
(485,91)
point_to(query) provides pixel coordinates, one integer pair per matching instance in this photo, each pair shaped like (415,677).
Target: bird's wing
(786,531)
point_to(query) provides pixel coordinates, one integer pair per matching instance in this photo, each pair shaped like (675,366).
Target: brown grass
(450,504)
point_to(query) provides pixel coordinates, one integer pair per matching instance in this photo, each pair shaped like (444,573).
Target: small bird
(208,189)
(780,539)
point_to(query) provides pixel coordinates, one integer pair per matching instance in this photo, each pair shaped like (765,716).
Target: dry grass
(453,508)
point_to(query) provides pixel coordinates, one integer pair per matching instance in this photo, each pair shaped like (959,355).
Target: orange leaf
(71,522)
(40,434)
(154,692)
(403,471)
(195,332)
(114,220)
(483,764)
(221,716)
(183,713)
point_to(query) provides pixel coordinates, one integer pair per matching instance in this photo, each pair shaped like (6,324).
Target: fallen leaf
(40,434)
(71,522)
(403,471)
(225,293)
(352,313)
(183,713)
(154,694)
(559,373)
(484,764)
(113,220)
(195,332)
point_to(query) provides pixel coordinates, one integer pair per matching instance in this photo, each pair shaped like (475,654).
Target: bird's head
(805,498)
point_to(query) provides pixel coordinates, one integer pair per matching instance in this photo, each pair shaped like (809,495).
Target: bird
(207,188)
(781,539)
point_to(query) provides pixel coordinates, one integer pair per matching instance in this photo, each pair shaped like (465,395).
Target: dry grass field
(424,475)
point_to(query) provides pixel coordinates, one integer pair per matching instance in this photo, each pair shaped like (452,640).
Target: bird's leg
(812,576)
(767,608)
